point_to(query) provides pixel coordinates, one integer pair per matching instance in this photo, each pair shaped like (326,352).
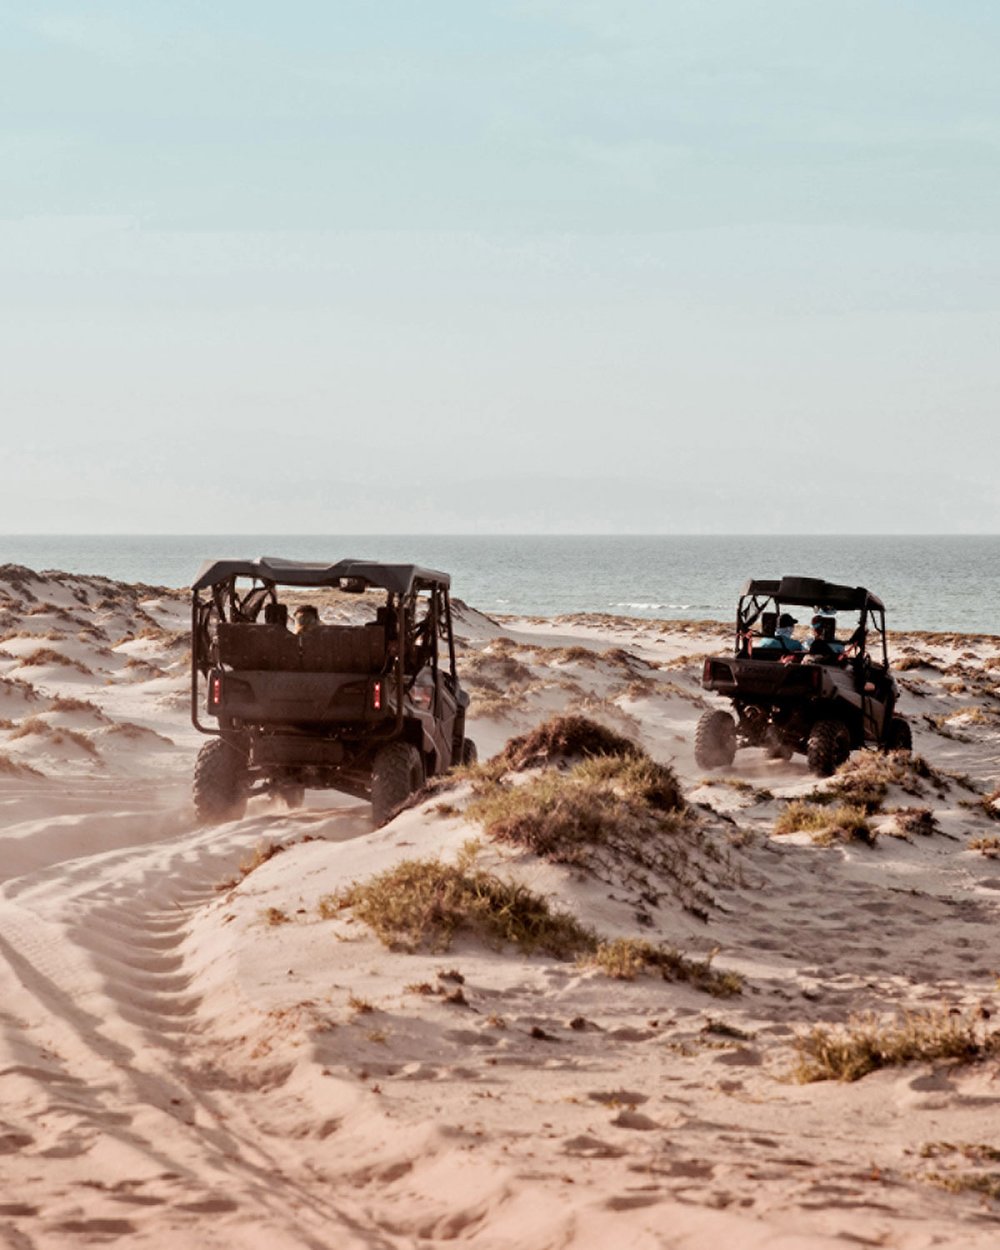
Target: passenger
(823,646)
(306,618)
(785,630)
(781,643)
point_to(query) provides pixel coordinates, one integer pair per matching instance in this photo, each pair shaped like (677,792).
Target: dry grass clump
(985,1183)
(618,657)
(65,703)
(571,655)
(626,958)
(19,687)
(46,655)
(866,1044)
(132,731)
(491,703)
(562,738)
(845,822)
(496,680)
(262,852)
(56,734)
(426,903)
(905,663)
(562,815)
(618,816)
(988,845)
(17,768)
(495,666)
(915,820)
(865,778)
(144,668)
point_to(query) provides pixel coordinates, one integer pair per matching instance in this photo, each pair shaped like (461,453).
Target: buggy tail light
(377,696)
(706,671)
(215,691)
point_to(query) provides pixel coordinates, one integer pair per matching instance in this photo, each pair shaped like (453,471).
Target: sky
(436,266)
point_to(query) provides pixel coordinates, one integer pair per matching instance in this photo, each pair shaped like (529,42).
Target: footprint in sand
(589,1147)
(635,1120)
(109,1228)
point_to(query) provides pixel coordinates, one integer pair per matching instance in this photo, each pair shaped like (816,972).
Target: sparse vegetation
(46,655)
(17,768)
(613,811)
(57,735)
(844,822)
(426,903)
(988,845)
(66,703)
(563,816)
(867,1043)
(865,778)
(261,854)
(625,958)
(563,738)
(129,729)
(915,821)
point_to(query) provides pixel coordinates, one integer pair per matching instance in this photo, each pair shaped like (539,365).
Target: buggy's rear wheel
(397,773)
(220,782)
(715,740)
(900,736)
(469,753)
(829,744)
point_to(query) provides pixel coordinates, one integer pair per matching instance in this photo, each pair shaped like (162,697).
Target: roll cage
(416,613)
(762,602)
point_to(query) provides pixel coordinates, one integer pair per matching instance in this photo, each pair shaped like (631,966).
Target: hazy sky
(419,265)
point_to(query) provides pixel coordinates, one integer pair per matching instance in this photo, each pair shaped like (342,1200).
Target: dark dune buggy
(370,709)
(822,700)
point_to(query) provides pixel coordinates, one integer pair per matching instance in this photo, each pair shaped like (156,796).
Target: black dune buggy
(822,699)
(369,708)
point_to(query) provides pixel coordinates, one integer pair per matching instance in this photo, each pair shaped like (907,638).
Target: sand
(193,1054)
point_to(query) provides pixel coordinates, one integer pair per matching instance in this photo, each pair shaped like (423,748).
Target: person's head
(823,626)
(306,617)
(786,624)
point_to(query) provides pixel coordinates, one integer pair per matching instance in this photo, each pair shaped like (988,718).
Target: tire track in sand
(101,1082)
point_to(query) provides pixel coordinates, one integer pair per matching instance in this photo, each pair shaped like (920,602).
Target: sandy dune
(194,1053)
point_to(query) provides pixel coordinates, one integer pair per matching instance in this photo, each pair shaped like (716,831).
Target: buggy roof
(400,578)
(813,592)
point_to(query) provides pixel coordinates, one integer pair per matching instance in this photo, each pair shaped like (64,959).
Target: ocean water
(938,583)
